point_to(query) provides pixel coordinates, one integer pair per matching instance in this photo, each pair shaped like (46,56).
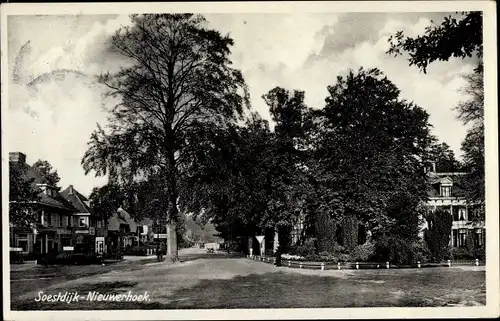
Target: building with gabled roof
(89,228)
(446,193)
(122,230)
(53,228)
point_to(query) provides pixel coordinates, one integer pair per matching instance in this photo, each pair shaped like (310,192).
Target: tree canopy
(48,174)
(22,196)
(370,152)
(454,37)
(457,38)
(178,81)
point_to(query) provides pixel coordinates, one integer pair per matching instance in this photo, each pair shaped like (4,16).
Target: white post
(338,265)
(357,266)
(300,265)
(251,250)
(449,263)
(387,264)
(322,266)
(418,264)
(477,262)
(289,264)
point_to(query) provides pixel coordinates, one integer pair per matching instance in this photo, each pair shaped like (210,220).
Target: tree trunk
(172,254)
(173,194)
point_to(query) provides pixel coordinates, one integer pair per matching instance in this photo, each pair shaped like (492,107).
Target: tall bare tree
(179,80)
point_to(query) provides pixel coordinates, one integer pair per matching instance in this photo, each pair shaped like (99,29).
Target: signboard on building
(160,236)
(68,248)
(82,231)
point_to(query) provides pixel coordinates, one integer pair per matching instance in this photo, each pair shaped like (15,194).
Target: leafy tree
(227,178)
(49,175)
(369,153)
(457,38)
(287,181)
(437,235)
(474,183)
(452,38)
(471,111)
(178,80)
(325,231)
(107,199)
(444,157)
(22,197)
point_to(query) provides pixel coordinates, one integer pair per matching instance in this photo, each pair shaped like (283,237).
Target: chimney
(17,157)
(70,190)
(433,164)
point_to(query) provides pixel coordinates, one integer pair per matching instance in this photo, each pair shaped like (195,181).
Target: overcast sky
(303,51)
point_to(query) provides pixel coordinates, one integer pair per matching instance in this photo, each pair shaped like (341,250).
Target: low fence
(358,265)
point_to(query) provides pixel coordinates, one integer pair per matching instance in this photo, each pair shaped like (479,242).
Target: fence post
(289,264)
(338,265)
(477,262)
(322,266)
(387,264)
(300,265)
(357,266)
(418,264)
(449,263)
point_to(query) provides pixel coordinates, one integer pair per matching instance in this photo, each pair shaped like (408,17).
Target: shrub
(139,250)
(438,235)
(308,249)
(397,250)
(463,253)
(328,257)
(291,257)
(480,253)
(32,256)
(363,252)
(422,252)
(343,257)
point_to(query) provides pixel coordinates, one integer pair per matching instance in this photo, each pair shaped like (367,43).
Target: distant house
(446,194)
(89,228)
(122,231)
(53,228)
(145,230)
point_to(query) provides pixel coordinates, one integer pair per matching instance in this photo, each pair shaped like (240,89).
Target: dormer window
(445,191)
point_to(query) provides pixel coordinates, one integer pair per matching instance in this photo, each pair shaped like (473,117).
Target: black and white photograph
(227,160)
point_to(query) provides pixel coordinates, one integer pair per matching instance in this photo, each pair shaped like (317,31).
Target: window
(462,238)
(445,191)
(60,220)
(462,214)
(70,221)
(456,212)
(98,223)
(49,219)
(83,221)
(41,219)
(23,244)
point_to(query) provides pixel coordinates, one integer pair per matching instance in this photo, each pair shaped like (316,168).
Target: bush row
(392,249)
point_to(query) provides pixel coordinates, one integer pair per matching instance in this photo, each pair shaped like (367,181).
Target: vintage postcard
(249,160)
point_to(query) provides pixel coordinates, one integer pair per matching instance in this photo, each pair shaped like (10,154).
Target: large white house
(446,194)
